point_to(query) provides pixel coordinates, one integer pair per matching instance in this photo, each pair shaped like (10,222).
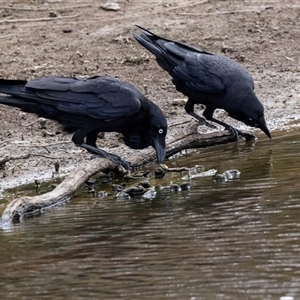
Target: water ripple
(233,240)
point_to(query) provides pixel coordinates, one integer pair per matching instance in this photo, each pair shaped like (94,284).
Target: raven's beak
(159,144)
(261,123)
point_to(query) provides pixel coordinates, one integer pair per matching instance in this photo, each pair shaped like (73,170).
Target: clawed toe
(248,136)
(112,157)
(236,133)
(203,122)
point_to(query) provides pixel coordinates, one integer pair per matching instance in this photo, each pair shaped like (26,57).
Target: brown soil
(73,38)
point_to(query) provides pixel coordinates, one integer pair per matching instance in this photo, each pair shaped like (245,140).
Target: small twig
(180,169)
(4,159)
(25,156)
(39,19)
(46,156)
(44,9)
(7,157)
(23,8)
(37,120)
(48,133)
(46,145)
(220,12)
(3,142)
(6,36)
(179,123)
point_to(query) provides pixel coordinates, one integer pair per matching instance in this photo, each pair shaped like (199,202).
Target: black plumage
(209,79)
(89,106)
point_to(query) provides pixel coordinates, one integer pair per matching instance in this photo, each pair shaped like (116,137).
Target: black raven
(92,105)
(209,79)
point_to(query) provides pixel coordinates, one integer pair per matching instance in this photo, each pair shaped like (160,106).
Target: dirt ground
(80,38)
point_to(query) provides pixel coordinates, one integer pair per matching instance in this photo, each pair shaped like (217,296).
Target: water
(234,240)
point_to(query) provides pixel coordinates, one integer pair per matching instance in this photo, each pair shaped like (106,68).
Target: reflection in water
(234,240)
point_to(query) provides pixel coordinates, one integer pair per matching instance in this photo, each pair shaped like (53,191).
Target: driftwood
(178,140)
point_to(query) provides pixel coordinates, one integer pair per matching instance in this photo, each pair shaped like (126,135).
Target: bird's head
(251,112)
(152,132)
(157,135)
(259,122)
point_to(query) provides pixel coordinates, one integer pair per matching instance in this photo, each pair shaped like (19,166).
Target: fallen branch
(180,139)
(28,206)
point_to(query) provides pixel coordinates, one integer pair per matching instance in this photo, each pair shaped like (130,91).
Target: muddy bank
(78,39)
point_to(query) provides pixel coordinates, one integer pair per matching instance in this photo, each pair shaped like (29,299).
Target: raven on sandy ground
(92,105)
(209,79)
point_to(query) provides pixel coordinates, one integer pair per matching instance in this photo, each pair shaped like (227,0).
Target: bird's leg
(189,108)
(90,145)
(235,132)
(201,120)
(92,137)
(112,157)
(208,114)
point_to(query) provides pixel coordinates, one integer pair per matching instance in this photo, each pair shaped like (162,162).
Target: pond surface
(233,240)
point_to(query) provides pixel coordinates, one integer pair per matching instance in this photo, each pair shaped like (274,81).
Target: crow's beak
(159,144)
(261,123)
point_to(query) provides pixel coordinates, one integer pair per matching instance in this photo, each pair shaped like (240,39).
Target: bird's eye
(160,131)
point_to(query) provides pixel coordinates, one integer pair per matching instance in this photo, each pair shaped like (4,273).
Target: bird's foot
(248,135)
(208,124)
(204,122)
(236,133)
(112,157)
(201,120)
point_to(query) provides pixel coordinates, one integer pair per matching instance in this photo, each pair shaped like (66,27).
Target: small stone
(67,30)
(52,14)
(150,194)
(159,173)
(134,191)
(102,194)
(110,6)
(175,187)
(145,184)
(185,186)
(179,102)
(122,196)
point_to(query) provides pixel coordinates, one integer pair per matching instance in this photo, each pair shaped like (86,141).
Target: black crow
(209,79)
(92,105)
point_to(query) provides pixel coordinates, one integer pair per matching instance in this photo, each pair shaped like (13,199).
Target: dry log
(179,139)
(28,206)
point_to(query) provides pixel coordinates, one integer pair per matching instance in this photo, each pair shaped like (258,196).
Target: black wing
(200,70)
(98,97)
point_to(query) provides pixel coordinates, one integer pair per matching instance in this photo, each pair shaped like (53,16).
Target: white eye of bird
(160,131)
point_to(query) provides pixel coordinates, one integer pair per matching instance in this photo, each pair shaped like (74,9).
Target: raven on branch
(89,106)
